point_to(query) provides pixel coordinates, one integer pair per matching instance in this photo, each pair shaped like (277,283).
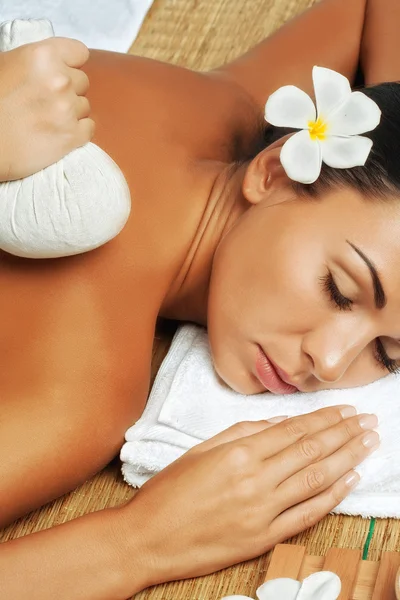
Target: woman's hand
(238,494)
(43,109)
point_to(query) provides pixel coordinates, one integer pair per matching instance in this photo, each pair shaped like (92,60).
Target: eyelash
(343,303)
(334,293)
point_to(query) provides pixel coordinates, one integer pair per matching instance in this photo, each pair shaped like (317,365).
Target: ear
(264,175)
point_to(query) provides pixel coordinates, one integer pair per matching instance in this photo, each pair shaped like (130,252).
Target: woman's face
(291,277)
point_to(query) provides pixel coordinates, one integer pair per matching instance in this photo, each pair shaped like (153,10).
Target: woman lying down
(286,250)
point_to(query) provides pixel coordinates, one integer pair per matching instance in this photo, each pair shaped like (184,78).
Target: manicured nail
(278,419)
(368,421)
(371,439)
(347,411)
(352,479)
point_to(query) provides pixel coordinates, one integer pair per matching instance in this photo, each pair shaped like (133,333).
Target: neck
(188,296)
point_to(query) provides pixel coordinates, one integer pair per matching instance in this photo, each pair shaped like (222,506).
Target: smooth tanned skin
(83,327)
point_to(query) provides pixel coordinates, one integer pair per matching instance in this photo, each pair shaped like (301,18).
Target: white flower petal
(331,90)
(290,107)
(344,153)
(301,158)
(279,589)
(358,114)
(320,586)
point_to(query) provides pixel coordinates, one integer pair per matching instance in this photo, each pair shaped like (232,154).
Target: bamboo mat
(202,34)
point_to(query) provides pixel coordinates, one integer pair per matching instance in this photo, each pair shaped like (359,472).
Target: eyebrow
(379,292)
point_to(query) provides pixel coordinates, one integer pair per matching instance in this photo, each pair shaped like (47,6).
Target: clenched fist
(44,113)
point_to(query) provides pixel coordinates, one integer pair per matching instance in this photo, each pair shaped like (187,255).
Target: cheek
(288,288)
(268,282)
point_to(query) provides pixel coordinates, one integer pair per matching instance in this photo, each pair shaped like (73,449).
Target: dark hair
(380,176)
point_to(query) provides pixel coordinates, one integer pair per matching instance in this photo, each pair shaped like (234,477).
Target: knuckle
(83,49)
(60,82)
(84,81)
(348,431)
(40,51)
(85,105)
(63,107)
(87,131)
(314,480)
(239,455)
(309,448)
(337,495)
(247,427)
(354,453)
(309,517)
(332,416)
(295,428)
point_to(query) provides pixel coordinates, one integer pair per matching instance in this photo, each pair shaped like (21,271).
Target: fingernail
(371,439)
(347,411)
(368,421)
(352,479)
(278,419)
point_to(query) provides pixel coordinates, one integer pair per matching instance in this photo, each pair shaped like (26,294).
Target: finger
(320,476)
(73,52)
(79,80)
(318,446)
(236,432)
(82,107)
(86,129)
(307,514)
(290,431)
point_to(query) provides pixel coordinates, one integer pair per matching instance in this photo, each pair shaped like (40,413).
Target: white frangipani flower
(330,132)
(318,586)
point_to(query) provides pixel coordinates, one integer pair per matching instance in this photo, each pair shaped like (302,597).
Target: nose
(331,350)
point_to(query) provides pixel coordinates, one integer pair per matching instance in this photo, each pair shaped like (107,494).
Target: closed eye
(343,303)
(383,359)
(329,285)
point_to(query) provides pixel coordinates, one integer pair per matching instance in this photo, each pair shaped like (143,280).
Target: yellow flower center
(317,129)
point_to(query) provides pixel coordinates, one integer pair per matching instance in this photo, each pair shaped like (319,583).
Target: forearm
(84,559)
(380,50)
(328,35)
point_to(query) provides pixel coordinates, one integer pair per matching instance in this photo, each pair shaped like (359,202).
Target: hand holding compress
(44,113)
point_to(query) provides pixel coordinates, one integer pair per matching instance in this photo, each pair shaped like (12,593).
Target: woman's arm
(81,560)
(380,48)
(328,35)
(225,501)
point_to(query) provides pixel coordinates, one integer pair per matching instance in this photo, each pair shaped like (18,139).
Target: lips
(273,378)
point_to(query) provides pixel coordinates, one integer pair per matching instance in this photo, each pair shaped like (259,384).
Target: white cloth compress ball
(75,205)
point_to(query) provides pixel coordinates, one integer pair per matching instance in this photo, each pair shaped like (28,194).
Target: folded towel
(102,24)
(189,404)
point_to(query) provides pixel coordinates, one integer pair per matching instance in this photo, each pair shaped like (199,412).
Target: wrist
(132,558)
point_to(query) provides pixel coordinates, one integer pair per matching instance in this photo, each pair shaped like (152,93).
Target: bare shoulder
(166,107)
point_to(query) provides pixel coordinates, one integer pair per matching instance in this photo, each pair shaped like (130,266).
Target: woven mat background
(202,34)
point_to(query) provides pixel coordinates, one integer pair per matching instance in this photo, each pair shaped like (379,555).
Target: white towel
(102,24)
(188,404)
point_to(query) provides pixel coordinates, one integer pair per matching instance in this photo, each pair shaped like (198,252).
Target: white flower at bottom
(323,585)
(330,132)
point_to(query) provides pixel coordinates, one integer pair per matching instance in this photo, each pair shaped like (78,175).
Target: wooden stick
(286,561)
(344,563)
(386,580)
